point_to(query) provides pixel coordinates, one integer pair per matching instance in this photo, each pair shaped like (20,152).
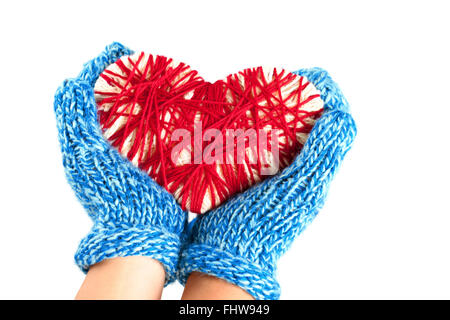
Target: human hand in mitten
(132,215)
(242,240)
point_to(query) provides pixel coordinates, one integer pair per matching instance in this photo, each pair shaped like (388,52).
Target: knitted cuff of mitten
(260,283)
(121,241)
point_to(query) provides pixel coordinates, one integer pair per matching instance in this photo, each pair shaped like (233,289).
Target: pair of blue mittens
(240,241)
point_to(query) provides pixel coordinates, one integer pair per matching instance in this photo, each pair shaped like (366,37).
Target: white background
(385,230)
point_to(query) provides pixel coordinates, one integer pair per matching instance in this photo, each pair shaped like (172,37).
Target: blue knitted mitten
(242,240)
(132,214)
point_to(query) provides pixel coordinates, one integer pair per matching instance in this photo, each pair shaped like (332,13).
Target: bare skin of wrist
(200,286)
(142,278)
(134,278)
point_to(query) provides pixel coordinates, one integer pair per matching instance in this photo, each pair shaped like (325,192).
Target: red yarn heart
(175,126)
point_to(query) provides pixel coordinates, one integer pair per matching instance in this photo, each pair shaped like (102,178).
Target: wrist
(258,280)
(110,241)
(134,277)
(201,286)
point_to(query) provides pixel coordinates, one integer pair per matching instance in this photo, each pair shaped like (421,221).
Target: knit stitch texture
(242,240)
(132,214)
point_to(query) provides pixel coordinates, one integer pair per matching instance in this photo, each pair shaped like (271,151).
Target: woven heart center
(202,141)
